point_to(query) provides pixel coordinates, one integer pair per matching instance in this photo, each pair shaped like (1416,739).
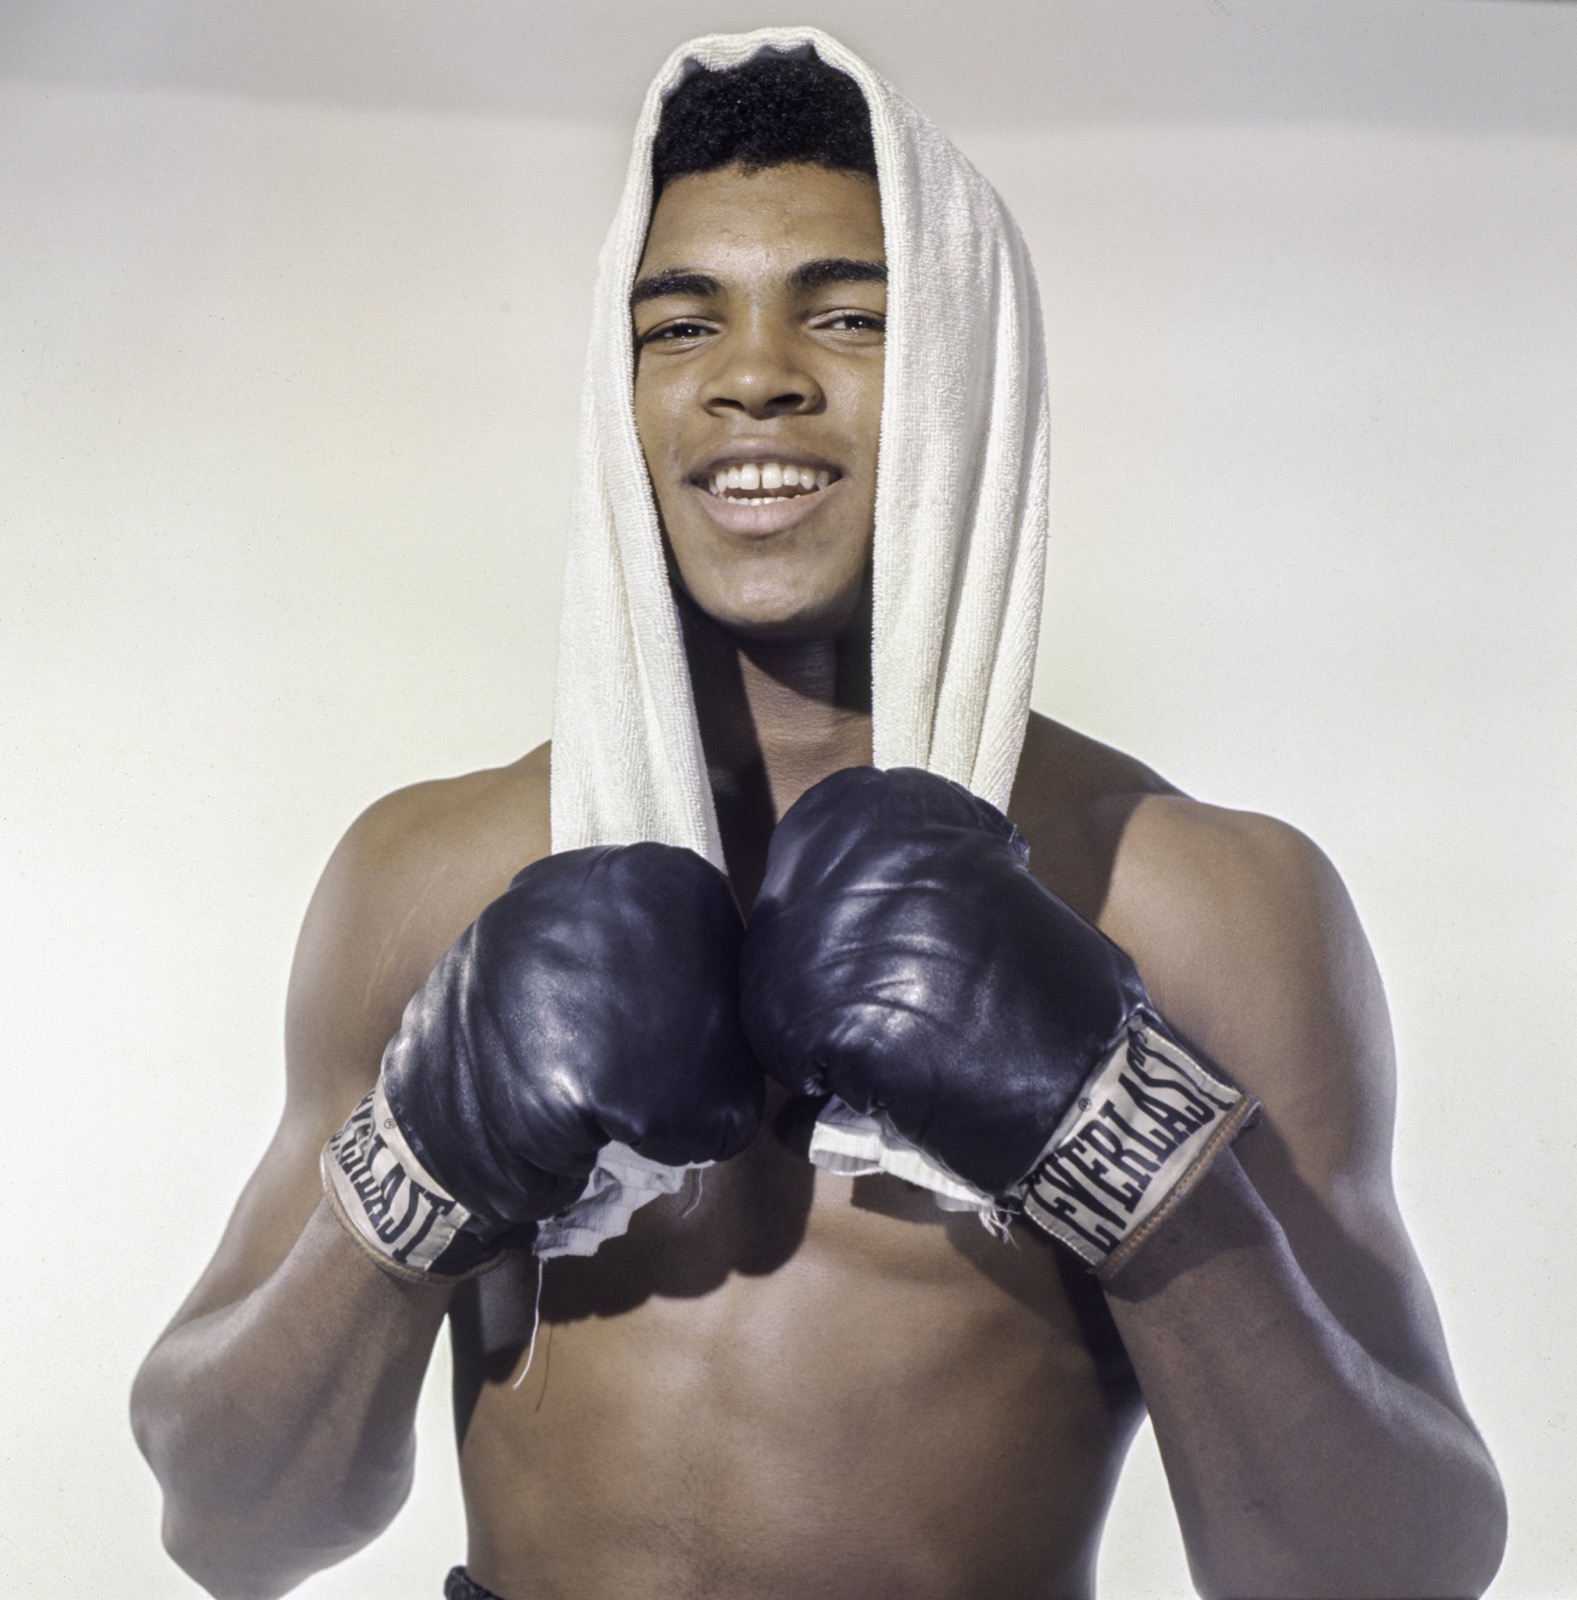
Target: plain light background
(292,306)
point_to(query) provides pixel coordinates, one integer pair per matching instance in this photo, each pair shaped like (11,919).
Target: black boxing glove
(902,956)
(595,1001)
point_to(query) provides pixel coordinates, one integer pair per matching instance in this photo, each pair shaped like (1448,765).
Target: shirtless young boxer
(779,1381)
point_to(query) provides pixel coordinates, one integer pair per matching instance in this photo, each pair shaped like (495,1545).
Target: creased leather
(594,1002)
(902,956)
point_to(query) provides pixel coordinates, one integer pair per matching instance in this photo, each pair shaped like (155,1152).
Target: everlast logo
(1140,1124)
(398,1209)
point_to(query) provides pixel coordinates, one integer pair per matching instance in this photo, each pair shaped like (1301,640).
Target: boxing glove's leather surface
(902,956)
(595,1001)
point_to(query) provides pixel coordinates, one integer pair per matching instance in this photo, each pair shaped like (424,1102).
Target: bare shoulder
(1249,943)
(410,874)
(1242,930)
(1072,798)
(1250,947)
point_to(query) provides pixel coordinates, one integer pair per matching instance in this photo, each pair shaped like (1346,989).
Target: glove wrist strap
(1146,1125)
(393,1206)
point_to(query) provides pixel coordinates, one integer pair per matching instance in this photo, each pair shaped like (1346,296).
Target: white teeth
(758,479)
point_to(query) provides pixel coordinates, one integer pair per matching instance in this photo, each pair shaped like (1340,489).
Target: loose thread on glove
(999,1224)
(695,1199)
(536,1322)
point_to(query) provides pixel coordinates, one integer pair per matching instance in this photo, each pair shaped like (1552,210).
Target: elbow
(1480,1545)
(1440,1539)
(254,1552)
(229,1544)
(202,1553)
(193,1534)
(251,1525)
(1453,1530)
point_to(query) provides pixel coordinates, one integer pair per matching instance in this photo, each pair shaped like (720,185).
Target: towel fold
(960,516)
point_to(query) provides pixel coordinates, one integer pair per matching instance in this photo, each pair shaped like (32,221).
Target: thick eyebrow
(805,277)
(677,280)
(836,269)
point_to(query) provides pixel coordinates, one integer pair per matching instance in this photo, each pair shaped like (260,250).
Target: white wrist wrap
(389,1200)
(1147,1123)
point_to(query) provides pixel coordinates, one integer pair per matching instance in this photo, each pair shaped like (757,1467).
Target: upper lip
(736,455)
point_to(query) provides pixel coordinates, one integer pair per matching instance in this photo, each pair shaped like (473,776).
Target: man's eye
(857,322)
(673,332)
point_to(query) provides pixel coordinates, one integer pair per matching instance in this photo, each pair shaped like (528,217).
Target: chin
(792,616)
(781,627)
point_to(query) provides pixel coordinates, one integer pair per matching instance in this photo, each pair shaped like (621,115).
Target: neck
(776,716)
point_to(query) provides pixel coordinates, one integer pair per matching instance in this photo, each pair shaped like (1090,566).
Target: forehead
(731,220)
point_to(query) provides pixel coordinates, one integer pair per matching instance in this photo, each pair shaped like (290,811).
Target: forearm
(1300,1465)
(280,1427)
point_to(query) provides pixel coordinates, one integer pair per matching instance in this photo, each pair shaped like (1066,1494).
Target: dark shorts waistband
(458,1586)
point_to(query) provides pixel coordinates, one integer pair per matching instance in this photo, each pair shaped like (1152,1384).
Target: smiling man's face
(759,310)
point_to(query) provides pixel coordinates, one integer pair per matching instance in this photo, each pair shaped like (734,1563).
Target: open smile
(762,482)
(764,494)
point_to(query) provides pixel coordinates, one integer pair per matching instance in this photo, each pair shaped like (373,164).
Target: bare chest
(791,1383)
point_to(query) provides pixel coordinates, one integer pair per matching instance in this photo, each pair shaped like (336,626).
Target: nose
(759,374)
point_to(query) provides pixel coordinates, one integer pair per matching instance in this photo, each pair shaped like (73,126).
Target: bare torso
(806,1385)
(786,1382)
(781,1382)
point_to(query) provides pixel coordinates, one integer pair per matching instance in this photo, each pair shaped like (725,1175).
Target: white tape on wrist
(1147,1123)
(391,1201)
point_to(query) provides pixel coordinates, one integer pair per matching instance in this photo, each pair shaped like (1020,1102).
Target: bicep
(1265,969)
(270,1215)
(409,875)
(345,996)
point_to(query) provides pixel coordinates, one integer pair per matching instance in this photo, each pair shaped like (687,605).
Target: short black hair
(778,108)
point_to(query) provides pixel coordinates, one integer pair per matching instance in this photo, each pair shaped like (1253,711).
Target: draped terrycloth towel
(960,534)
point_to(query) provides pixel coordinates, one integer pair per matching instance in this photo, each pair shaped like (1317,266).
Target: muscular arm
(277,1409)
(279,1424)
(1280,1324)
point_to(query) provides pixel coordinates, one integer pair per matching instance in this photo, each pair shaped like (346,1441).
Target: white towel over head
(959,555)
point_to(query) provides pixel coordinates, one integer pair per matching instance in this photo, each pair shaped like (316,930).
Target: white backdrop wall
(286,418)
